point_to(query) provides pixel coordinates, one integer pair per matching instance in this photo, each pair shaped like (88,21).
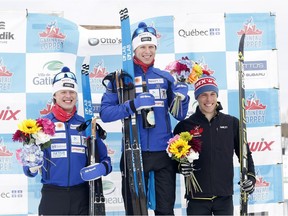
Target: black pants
(216,206)
(64,200)
(165,182)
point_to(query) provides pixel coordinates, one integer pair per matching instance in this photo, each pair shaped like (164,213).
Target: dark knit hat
(204,84)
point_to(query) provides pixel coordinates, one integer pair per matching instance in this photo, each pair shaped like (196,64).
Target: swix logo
(261,146)
(8,114)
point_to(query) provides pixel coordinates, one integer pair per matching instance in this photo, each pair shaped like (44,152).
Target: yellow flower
(186,136)
(29,126)
(179,148)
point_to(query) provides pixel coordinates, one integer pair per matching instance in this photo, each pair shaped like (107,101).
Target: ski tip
(241,45)
(86,60)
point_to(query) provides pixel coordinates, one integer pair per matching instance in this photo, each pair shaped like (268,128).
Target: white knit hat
(65,80)
(144,35)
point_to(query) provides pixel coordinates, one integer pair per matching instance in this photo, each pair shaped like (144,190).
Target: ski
(132,149)
(96,197)
(242,129)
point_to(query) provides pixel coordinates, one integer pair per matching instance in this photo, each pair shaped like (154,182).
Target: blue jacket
(161,85)
(67,154)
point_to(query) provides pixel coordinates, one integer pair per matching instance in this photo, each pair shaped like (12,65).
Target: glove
(181,90)
(94,171)
(186,169)
(143,101)
(249,184)
(35,169)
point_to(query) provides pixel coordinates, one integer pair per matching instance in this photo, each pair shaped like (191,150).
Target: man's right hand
(143,101)
(186,169)
(35,168)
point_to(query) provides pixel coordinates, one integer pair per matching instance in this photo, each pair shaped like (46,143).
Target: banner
(34,47)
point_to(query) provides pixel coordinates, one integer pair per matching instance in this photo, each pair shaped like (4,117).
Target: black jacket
(220,139)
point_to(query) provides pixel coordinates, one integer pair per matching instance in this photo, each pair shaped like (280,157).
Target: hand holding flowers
(35,136)
(185,149)
(184,71)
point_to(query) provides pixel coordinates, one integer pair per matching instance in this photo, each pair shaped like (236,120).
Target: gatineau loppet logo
(5,77)
(99,71)
(253,38)
(255,110)
(51,38)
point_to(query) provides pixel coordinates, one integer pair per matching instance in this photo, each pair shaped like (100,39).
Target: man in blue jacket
(154,88)
(64,191)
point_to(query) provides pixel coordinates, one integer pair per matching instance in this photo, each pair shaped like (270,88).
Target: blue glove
(143,101)
(94,171)
(181,90)
(34,167)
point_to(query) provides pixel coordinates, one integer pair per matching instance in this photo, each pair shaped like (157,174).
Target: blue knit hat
(204,84)
(144,35)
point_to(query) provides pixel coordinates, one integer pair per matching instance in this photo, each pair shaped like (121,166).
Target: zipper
(68,151)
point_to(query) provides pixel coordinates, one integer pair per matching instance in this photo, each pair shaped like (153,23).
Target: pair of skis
(242,129)
(96,196)
(132,151)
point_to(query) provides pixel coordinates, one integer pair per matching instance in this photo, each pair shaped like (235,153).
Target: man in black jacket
(219,136)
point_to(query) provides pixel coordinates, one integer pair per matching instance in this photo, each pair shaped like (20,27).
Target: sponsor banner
(112,192)
(50,34)
(263,209)
(43,44)
(41,69)
(268,187)
(13,32)
(164,26)
(199,33)
(99,42)
(265,146)
(12,109)
(261,106)
(260,69)
(13,192)
(256,26)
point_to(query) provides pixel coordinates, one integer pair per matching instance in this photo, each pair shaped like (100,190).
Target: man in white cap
(218,134)
(155,89)
(65,188)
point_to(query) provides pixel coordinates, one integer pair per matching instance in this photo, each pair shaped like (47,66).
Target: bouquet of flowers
(185,149)
(186,71)
(35,136)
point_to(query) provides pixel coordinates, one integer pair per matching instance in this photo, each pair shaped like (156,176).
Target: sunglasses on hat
(144,29)
(62,75)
